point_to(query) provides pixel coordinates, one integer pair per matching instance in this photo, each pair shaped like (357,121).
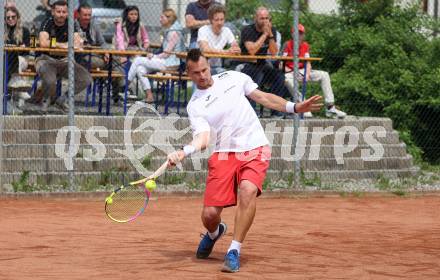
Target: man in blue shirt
(196,16)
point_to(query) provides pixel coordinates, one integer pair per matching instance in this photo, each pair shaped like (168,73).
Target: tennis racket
(128,202)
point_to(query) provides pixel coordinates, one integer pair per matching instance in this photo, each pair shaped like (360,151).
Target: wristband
(290,107)
(271,38)
(188,150)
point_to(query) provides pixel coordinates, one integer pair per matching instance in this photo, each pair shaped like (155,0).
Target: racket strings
(128,203)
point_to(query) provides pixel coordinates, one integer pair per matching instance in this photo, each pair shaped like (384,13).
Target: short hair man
(311,75)
(242,153)
(217,38)
(50,68)
(259,39)
(196,16)
(91,36)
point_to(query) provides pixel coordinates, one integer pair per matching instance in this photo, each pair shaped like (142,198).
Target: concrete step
(123,164)
(179,123)
(176,177)
(325,151)
(171,136)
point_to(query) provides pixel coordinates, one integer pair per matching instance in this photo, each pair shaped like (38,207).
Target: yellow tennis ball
(150,185)
(109,200)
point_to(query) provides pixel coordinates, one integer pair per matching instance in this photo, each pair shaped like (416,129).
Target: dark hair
(84,5)
(127,10)
(194,55)
(215,9)
(58,3)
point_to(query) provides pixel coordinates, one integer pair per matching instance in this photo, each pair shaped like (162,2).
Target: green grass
(383,183)
(195,185)
(173,179)
(22,185)
(398,187)
(310,182)
(146,162)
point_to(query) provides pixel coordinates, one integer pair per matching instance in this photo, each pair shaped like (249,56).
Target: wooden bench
(96,75)
(166,82)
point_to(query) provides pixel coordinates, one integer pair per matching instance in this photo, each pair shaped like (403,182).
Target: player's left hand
(312,104)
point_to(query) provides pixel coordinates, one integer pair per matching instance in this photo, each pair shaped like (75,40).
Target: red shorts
(227,169)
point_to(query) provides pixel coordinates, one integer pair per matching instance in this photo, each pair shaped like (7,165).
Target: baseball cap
(301,28)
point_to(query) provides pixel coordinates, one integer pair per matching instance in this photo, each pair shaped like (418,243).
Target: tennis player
(219,110)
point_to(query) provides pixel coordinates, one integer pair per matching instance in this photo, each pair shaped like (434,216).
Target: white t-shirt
(224,110)
(215,41)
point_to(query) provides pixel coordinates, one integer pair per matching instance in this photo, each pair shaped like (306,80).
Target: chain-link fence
(374,62)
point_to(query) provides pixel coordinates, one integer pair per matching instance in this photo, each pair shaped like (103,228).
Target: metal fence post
(297,161)
(2,44)
(71,88)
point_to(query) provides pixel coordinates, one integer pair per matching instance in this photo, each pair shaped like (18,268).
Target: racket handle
(160,170)
(153,176)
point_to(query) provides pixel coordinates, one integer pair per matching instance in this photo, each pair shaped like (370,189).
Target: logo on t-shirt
(222,75)
(210,102)
(227,90)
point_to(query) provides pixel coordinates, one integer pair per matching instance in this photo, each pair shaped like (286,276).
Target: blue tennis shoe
(232,262)
(207,244)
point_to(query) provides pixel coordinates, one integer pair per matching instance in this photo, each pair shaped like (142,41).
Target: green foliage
(174,179)
(22,185)
(266,184)
(365,12)
(315,181)
(383,62)
(383,183)
(146,162)
(241,10)
(195,185)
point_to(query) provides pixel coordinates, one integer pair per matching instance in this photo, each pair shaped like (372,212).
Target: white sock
(214,234)
(235,245)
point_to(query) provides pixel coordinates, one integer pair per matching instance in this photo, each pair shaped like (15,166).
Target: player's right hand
(175,157)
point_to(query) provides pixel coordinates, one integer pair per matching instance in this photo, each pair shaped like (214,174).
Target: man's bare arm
(192,23)
(275,102)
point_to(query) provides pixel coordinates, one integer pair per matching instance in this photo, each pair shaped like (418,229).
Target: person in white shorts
(219,110)
(217,38)
(173,41)
(311,75)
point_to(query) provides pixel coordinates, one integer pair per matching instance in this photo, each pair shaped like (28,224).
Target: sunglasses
(11,17)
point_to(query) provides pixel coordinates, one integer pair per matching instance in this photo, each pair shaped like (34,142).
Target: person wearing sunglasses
(16,35)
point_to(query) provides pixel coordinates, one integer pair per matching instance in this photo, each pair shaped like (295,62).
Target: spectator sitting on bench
(311,75)
(172,42)
(217,38)
(92,36)
(17,35)
(50,68)
(259,39)
(130,34)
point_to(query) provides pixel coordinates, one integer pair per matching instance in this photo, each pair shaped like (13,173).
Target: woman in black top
(15,34)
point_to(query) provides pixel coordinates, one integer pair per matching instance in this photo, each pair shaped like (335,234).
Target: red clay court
(292,238)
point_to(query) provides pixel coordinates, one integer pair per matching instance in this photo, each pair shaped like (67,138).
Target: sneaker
(232,262)
(23,95)
(308,115)
(335,113)
(207,244)
(130,96)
